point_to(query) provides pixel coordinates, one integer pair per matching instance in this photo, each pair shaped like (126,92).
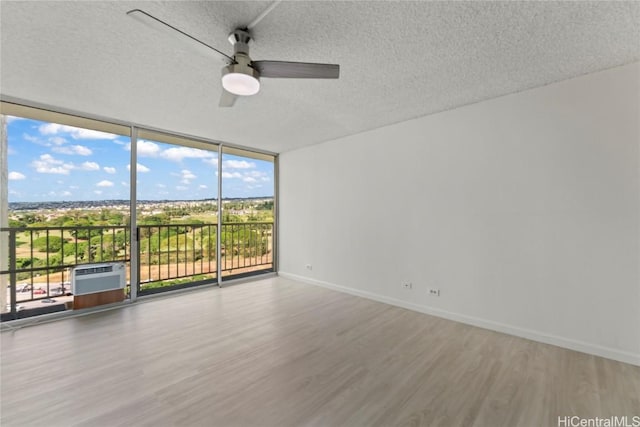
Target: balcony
(170,256)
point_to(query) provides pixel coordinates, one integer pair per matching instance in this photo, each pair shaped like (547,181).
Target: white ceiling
(399,60)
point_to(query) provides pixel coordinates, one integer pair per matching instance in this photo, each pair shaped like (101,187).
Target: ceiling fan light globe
(240,84)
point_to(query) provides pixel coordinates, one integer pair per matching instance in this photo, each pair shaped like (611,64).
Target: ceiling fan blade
(227,99)
(160,25)
(296,70)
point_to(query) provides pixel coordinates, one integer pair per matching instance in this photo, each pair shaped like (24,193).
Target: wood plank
(280,353)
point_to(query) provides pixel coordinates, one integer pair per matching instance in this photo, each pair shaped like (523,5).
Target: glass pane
(68,204)
(177,195)
(247,214)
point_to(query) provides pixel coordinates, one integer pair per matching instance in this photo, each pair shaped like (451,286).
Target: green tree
(52,244)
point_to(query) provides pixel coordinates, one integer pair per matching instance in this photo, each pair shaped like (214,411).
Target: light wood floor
(280,353)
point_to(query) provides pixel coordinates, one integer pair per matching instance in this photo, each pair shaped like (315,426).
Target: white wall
(523,210)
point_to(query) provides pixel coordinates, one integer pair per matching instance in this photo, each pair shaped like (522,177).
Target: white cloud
(57,140)
(16,176)
(258,174)
(48,164)
(90,166)
(66,193)
(31,138)
(238,164)
(124,184)
(181,188)
(139,168)
(161,186)
(74,132)
(145,148)
(98,192)
(255,176)
(213,161)
(109,169)
(79,150)
(231,175)
(185,176)
(104,183)
(202,186)
(177,154)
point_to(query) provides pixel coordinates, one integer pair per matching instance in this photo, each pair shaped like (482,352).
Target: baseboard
(584,347)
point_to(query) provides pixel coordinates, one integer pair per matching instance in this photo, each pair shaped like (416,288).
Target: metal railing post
(12,272)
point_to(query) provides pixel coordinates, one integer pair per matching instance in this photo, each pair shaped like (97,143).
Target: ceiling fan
(241,76)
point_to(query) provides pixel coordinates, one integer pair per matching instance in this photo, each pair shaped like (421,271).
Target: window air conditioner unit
(92,278)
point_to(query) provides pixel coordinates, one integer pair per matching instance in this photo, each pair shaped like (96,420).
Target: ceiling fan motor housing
(240,78)
(242,66)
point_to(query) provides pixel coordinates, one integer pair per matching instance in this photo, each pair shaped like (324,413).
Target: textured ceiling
(399,60)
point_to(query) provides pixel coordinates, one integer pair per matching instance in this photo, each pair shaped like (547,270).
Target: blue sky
(52,162)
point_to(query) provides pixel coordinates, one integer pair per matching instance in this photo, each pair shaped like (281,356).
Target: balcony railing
(170,256)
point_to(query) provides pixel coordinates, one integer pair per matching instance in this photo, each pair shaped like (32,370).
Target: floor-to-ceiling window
(65,202)
(79,191)
(177,211)
(247,229)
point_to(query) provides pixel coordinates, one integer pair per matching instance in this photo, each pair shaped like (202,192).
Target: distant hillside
(96,204)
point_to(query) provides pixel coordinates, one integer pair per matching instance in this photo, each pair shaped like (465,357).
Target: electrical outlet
(434,292)
(406,285)
(308,267)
